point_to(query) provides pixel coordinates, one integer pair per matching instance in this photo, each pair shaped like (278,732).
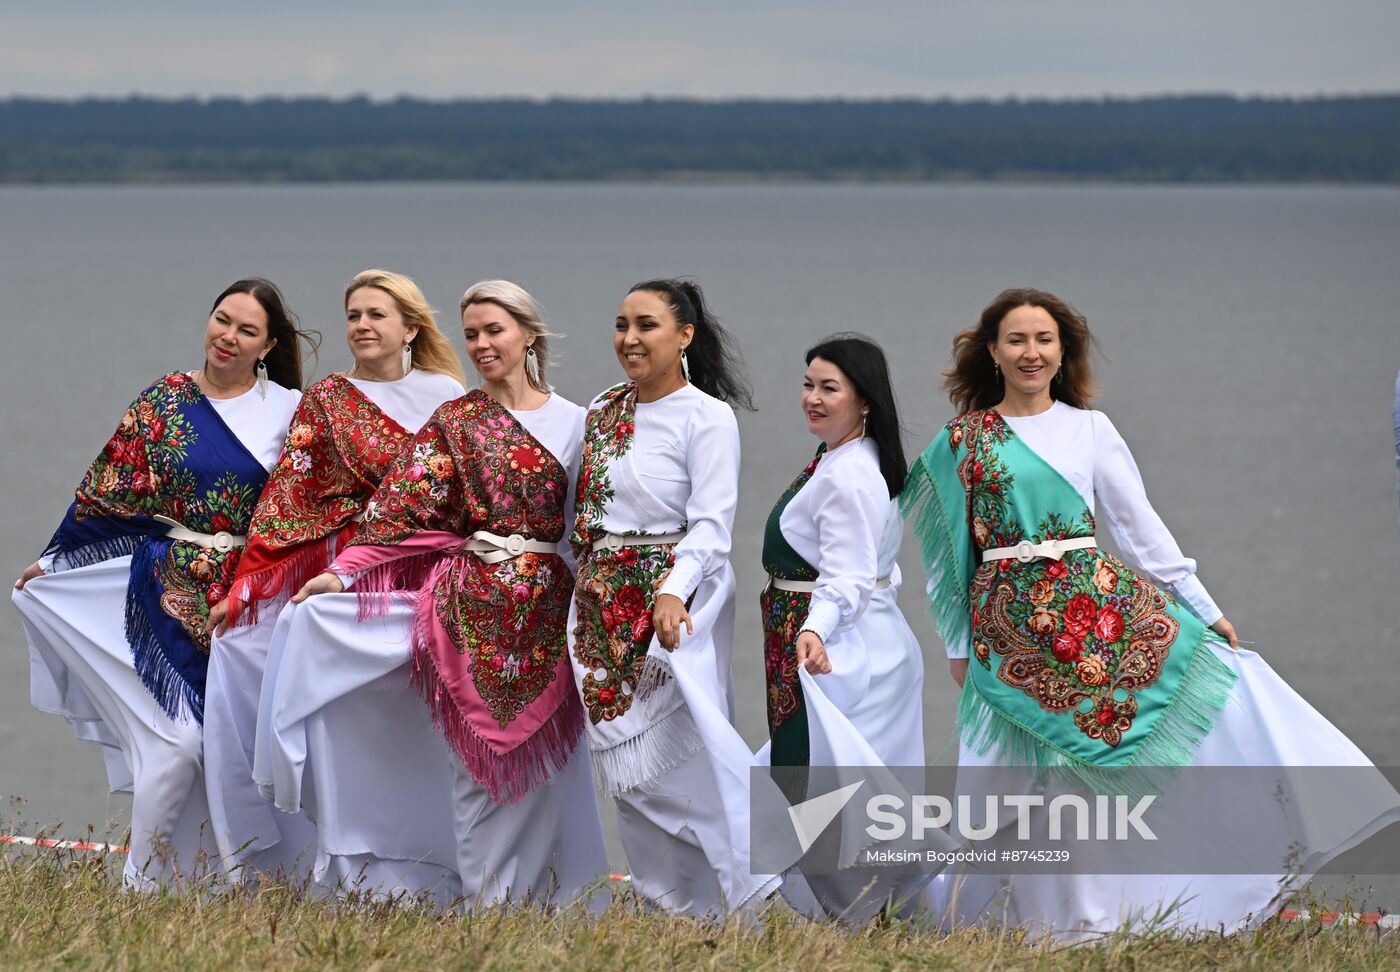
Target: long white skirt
(343,733)
(867,712)
(686,827)
(1266,723)
(81,668)
(250,834)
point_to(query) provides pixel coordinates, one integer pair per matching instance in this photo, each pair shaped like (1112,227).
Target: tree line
(1165,139)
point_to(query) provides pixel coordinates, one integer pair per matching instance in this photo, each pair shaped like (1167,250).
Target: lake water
(1252,339)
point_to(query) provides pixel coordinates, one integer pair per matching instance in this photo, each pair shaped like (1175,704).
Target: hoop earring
(685,366)
(532,367)
(260,370)
(407,357)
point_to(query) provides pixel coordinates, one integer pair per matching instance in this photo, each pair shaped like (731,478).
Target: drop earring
(864,414)
(685,366)
(260,370)
(532,368)
(407,357)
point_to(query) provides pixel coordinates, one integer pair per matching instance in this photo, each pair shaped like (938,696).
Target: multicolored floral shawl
(783,614)
(616,589)
(338,449)
(489,648)
(173,456)
(1080,664)
(614,598)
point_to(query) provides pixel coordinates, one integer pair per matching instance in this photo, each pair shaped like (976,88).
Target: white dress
(81,668)
(868,710)
(676,764)
(1264,724)
(343,734)
(245,828)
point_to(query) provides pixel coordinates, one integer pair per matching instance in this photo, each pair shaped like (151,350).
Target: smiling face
(236,338)
(834,409)
(648,339)
(1028,350)
(376,330)
(496,342)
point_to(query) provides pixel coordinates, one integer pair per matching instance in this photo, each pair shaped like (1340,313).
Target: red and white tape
(82,845)
(1370,919)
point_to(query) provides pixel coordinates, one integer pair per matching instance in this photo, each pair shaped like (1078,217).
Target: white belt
(807,587)
(492,549)
(1025,551)
(223,541)
(616,541)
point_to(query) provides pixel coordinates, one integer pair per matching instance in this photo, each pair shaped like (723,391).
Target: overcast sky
(715,48)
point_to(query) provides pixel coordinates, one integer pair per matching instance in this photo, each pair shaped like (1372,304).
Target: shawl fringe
(1202,696)
(923,505)
(180,700)
(108,548)
(657,749)
(408,574)
(270,588)
(507,776)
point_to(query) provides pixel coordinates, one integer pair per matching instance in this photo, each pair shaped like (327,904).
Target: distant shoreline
(1170,140)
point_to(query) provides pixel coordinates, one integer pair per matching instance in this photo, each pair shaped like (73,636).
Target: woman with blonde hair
(1107,674)
(347,431)
(461,577)
(116,610)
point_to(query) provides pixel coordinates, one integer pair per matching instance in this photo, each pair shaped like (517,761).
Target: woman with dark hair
(1098,672)
(348,429)
(844,672)
(154,537)
(652,622)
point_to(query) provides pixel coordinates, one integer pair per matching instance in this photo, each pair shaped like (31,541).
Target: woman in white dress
(116,610)
(652,623)
(461,577)
(1103,672)
(844,671)
(346,432)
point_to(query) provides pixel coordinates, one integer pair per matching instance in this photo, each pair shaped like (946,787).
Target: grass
(65,910)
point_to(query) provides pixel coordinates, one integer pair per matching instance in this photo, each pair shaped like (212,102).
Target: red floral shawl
(489,653)
(338,448)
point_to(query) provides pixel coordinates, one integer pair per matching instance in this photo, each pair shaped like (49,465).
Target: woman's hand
(325,583)
(30,572)
(958,666)
(1226,630)
(811,653)
(667,617)
(218,619)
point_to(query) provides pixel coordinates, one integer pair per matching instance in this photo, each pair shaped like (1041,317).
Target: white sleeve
(566,548)
(850,518)
(712,460)
(1135,527)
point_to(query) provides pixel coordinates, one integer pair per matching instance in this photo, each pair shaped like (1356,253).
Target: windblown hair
(715,368)
(516,301)
(863,363)
(432,351)
(284,361)
(973,383)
